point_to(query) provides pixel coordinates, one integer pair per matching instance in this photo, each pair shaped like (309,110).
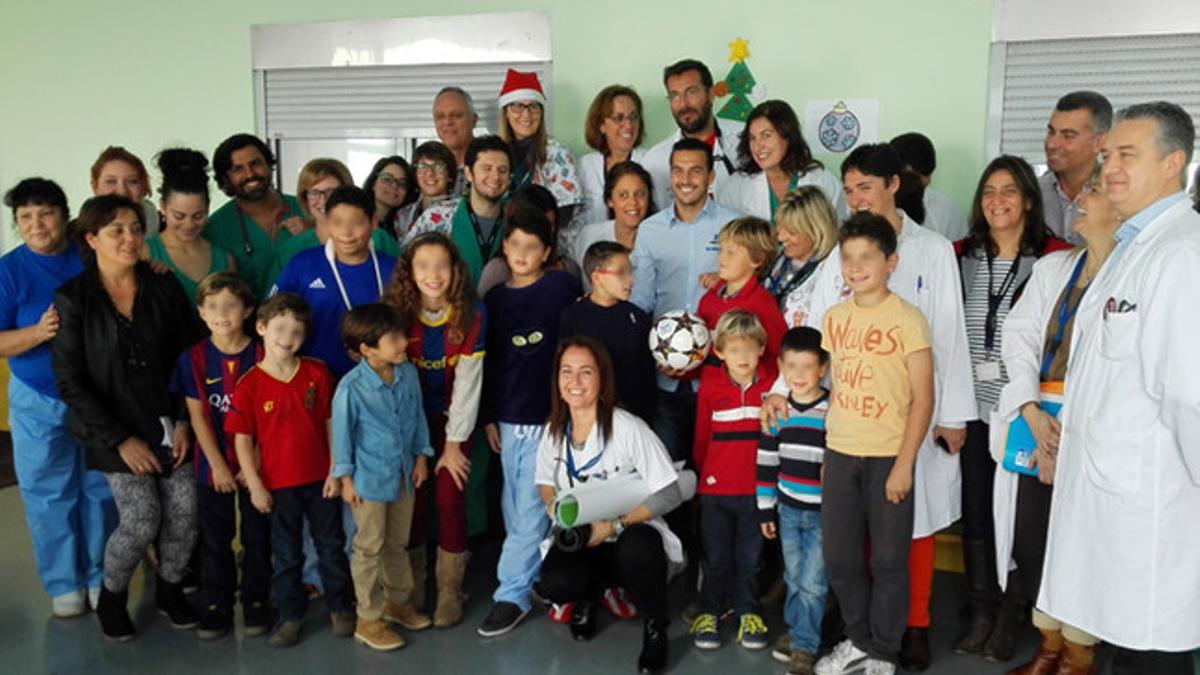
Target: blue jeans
(525,520)
(804,573)
(69,510)
(293,507)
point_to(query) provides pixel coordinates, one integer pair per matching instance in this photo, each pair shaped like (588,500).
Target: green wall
(77,75)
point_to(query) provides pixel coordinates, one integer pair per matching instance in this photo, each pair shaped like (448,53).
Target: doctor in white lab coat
(1123,555)
(1021,503)
(773,160)
(926,276)
(690,94)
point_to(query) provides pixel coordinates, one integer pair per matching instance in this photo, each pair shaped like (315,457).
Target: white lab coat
(658,160)
(1023,339)
(1122,555)
(926,276)
(750,192)
(591,179)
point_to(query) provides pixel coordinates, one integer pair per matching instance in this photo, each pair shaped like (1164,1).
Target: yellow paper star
(739,50)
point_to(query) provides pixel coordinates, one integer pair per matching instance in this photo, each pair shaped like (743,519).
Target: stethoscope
(331,256)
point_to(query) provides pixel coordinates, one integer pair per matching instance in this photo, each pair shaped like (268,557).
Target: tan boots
(450,570)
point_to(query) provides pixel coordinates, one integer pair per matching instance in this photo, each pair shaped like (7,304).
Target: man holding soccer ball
(674,248)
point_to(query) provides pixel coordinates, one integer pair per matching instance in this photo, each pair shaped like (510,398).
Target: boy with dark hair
(380,447)
(280,417)
(607,315)
(789,491)
(875,426)
(523,318)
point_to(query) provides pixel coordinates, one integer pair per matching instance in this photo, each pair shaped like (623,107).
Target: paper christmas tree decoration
(739,84)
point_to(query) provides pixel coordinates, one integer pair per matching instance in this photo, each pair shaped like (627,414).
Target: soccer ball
(679,340)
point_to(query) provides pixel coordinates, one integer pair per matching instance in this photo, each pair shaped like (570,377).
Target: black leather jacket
(105,403)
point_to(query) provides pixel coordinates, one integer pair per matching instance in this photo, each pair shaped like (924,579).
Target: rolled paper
(607,499)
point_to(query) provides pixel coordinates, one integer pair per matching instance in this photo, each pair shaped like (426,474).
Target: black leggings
(1029,535)
(636,561)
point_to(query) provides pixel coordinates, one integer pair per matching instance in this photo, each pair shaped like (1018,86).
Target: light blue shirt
(378,430)
(669,258)
(1133,226)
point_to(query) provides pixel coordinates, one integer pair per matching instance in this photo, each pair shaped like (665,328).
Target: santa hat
(519,86)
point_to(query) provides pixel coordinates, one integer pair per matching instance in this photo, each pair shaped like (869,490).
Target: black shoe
(914,650)
(979,629)
(113,613)
(654,647)
(215,622)
(1002,643)
(256,618)
(191,580)
(173,604)
(583,621)
(504,617)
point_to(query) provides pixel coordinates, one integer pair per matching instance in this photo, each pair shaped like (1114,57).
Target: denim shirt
(378,430)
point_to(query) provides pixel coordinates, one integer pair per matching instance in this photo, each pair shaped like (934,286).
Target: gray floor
(33,642)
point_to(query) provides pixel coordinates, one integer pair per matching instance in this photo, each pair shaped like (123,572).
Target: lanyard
(573,474)
(995,299)
(332,258)
(485,243)
(1065,313)
(247,247)
(724,159)
(782,283)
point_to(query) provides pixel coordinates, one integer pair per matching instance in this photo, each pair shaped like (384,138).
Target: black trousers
(1029,535)
(636,561)
(978,474)
(218,571)
(1133,662)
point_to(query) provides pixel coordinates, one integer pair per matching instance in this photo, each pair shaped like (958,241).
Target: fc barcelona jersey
(207,374)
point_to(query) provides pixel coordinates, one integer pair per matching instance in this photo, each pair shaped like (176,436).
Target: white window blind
(1127,70)
(390,101)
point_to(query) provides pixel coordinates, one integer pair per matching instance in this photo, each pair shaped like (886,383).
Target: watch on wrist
(618,526)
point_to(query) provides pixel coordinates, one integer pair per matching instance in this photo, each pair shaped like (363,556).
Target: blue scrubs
(69,509)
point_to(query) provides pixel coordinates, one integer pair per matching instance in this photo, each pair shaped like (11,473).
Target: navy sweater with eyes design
(522,335)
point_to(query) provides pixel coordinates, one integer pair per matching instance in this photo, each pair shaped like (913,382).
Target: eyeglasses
(621,118)
(435,167)
(694,91)
(391,181)
(626,273)
(318,195)
(531,108)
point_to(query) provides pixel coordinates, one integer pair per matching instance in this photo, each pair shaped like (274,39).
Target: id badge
(988,371)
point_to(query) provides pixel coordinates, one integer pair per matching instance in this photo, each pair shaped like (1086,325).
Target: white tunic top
(750,192)
(633,448)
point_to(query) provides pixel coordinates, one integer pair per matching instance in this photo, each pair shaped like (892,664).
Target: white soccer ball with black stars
(679,340)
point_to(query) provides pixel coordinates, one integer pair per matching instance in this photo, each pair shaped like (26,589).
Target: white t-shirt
(633,448)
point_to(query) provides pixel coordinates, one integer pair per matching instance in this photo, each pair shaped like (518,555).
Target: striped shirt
(987,394)
(727,430)
(789,463)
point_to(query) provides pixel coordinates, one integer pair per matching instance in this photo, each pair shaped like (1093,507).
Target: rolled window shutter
(1127,70)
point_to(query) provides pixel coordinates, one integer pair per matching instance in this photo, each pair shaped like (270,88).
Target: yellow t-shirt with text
(871,393)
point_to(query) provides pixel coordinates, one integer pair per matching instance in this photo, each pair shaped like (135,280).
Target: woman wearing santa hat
(537,158)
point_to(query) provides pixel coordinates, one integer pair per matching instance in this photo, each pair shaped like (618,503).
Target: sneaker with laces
(845,658)
(375,634)
(503,618)
(562,613)
(256,618)
(215,622)
(752,632)
(705,634)
(878,667)
(286,635)
(801,663)
(782,649)
(616,602)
